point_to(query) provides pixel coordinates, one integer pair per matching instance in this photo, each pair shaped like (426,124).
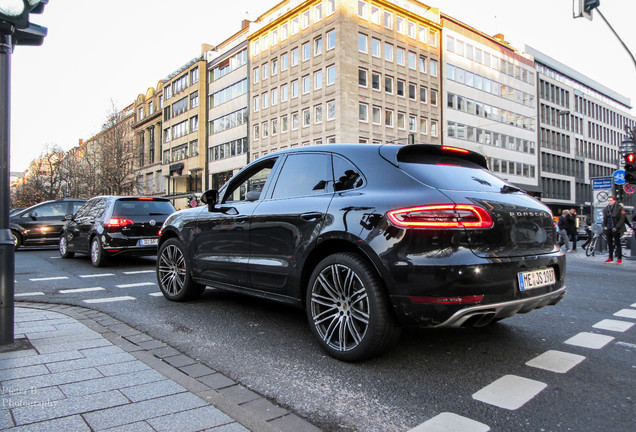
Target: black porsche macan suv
(107,226)
(369,238)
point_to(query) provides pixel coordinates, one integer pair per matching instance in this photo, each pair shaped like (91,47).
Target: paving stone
(101,351)
(152,390)
(145,410)
(164,352)
(136,339)
(15,397)
(39,359)
(217,381)
(265,408)
(232,427)
(79,333)
(197,370)
(293,423)
(25,353)
(73,423)
(5,419)
(151,344)
(190,421)
(179,361)
(239,394)
(24,372)
(133,427)
(123,330)
(123,368)
(70,346)
(84,362)
(111,383)
(48,410)
(54,379)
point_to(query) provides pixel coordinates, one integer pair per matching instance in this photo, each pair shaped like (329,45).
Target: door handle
(242,218)
(311,216)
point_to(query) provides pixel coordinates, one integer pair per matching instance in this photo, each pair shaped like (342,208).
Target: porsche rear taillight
(442,216)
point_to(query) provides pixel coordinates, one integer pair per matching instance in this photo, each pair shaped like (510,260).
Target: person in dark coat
(614,226)
(570,228)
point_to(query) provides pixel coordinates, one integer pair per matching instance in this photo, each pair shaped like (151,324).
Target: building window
(433,68)
(306,18)
(294,121)
(318,80)
(388,52)
(377,115)
(306,117)
(375,14)
(363,43)
(194,148)
(434,131)
(388,20)
(433,97)
(294,89)
(284,124)
(375,47)
(317,46)
(265,71)
(401,88)
(388,118)
(274,67)
(318,114)
(363,112)
(317,13)
(362,9)
(306,51)
(388,85)
(284,93)
(284,62)
(294,57)
(412,124)
(362,77)
(257,103)
(257,132)
(375,81)
(265,129)
(274,96)
(331,110)
(294,26)
(423,126)
(306,84)
(400,25)
(265,99)
(194,99)
(257,75)
(331,75)
(401,121)
(412,60)
(194,75)
(331,6)
(194,124)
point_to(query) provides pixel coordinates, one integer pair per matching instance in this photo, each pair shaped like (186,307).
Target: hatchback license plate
(536,279)
(149,242)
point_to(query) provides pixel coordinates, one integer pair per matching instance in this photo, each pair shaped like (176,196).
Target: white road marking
(48,278)
(625,344)
(626,313)
(55,257)
(37,293)
(139,272)
(97,275)
(156,294)
(81,290)
(136,284)
(589,340)
(556,361)
(510,392)
(613,325)
(109,299)
(446,421)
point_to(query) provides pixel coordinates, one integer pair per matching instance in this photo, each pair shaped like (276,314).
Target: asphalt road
(482,375)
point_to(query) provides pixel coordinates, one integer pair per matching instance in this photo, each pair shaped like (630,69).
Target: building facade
(581,126)
(148,143)
(489,102)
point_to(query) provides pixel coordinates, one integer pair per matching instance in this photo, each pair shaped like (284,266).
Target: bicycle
(590,249)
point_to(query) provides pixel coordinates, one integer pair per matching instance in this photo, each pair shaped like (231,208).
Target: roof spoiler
(395,154)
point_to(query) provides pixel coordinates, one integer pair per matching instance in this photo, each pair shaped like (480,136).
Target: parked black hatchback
(112,225)
(42,223)
(369,238)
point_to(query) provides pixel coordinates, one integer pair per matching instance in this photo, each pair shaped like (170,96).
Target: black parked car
(42,223)
(369,238)
(112,225)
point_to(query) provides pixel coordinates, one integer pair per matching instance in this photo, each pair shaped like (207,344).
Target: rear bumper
(128,246)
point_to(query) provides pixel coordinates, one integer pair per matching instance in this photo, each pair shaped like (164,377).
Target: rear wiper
(509,189)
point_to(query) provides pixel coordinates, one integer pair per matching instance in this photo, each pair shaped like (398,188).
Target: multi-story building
(183,142)
(346,71)
(581,127)
(228,108)
(148,142)
(489,102)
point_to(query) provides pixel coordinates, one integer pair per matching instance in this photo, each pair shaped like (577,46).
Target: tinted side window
(304,175)
(97,211)
(83,210)
(75,206)
(346,175)
(52,209)
(250,184)
(142,208)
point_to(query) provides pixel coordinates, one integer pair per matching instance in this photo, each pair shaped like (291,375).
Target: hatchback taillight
(118,222)
(442,216)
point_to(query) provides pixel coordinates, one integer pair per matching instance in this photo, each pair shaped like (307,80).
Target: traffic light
(630,167)
(14,20)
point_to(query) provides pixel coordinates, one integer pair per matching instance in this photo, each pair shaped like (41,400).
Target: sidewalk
(76,369)
(600,257)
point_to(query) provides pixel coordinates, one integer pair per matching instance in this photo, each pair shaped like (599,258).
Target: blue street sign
(603,183)
(619,177)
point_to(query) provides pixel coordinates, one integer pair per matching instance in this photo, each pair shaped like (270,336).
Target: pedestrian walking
(570,227)
(561,226)
(588,231)
(614,226)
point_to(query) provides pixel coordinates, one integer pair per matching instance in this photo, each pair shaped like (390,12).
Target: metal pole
(7,258)
(617,36)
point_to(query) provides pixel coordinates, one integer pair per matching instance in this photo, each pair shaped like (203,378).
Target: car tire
(98,257)
(347,309)
(173,273)
(17,240)
(63,248)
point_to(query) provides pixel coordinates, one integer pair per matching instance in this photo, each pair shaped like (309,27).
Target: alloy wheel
(172,270)
(340,307)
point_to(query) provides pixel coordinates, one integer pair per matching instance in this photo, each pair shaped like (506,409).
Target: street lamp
(15,29)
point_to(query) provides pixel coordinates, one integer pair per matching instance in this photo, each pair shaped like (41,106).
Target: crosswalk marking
(446,421)
(37,293)
(510,392)
(109,299)
(613,325)
(81,290)
(626,313)
(135,285)
(48,278)
(96,275)
(589,340)
(556,361)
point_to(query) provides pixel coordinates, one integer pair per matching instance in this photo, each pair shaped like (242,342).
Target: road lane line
(556,361)
(626,313)
(156,294)
(96,275)
(81,290)
(510,392)
(613,325)
(589,340)
(447,421)
(36,293)
(625,344)
(139,284)
(139,272)
(109,299)
(48,278)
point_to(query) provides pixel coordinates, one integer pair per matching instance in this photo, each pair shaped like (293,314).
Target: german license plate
(536,278)
(149,242)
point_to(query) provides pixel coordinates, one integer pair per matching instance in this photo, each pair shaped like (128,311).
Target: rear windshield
(444,172)
(142,208)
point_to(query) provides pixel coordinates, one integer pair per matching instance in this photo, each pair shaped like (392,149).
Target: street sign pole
(7,257)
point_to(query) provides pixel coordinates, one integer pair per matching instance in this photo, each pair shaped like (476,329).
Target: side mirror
(253,195)
(68,217)
(33,215)
(210,197)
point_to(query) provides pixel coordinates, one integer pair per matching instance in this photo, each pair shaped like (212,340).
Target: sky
(98,53)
